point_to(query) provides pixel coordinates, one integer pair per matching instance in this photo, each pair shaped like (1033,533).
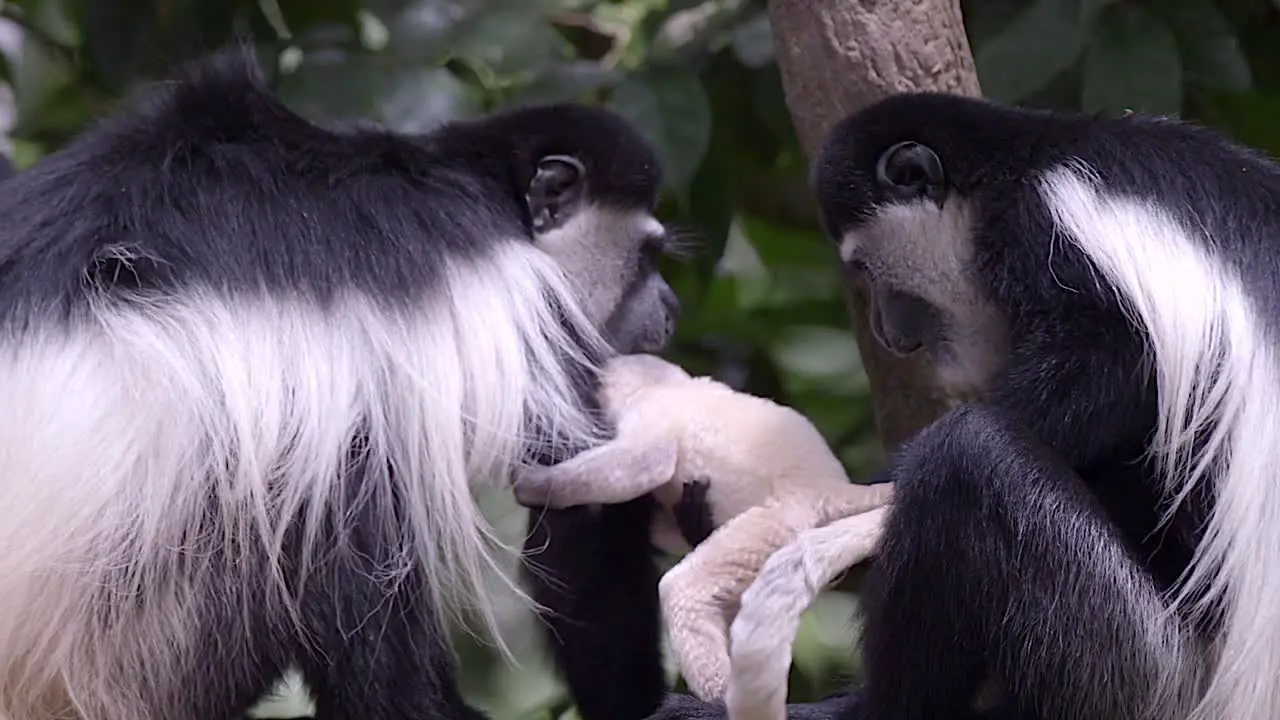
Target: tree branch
(836,57)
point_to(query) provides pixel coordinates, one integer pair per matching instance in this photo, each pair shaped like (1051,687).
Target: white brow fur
(1217,373)
(121,431)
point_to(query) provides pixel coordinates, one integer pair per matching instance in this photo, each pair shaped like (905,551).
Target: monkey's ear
(557,189)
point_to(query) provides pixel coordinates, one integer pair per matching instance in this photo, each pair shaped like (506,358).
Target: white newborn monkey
(696,443)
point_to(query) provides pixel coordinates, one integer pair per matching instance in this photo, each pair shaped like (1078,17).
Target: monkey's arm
(641,458)
(593,571)
(1004,564)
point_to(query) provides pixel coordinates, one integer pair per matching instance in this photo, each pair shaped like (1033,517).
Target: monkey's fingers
(762,635)
(850,500)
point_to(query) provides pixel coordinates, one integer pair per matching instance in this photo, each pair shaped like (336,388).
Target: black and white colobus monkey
(251,367)
(1100,531)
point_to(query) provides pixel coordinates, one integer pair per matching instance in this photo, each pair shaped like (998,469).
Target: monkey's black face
(888,199)
(907,174)
(646,318)
(903,323)
(609,250)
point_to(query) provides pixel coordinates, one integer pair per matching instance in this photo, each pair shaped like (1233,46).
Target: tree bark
(837,57)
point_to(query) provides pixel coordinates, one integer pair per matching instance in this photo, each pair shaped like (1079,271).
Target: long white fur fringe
(124,434)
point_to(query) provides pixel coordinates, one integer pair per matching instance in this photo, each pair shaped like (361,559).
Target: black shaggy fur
(217,168)
(215,184)
(1026,525)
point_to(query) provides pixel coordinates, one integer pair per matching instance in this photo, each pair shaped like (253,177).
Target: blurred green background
(763,309)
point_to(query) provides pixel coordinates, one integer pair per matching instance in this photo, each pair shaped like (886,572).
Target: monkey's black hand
(844,706)
(693,513)
(688,707)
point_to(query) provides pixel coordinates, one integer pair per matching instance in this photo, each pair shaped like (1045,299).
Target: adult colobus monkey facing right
(251,368)
(1100,532)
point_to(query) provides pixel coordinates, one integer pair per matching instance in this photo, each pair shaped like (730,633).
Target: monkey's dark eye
(910,170)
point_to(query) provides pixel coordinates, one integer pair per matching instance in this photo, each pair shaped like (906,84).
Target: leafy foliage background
(763,309)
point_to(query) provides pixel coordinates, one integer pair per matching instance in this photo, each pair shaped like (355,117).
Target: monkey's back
(748,447)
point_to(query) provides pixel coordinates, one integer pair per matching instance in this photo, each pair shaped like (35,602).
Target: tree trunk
(836,57)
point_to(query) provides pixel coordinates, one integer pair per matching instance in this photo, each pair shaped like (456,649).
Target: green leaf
(25,153)
(270,10)
(1253,119)
(1211,53)
(985,19)
(52,116)
(712,199)
(815,351)
(1132,63)
(301,15)
(510,42)
(753,41)
(115,38)
(739,261)
(334,85)
(127,41)
(1090,10)
(669,107)
(61,21)
(781,245)
(423,32)
(418,100)
(1041,41)
(569,81)
(188,29)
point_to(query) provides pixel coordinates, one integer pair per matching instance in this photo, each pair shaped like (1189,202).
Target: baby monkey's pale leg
(764,630)
(700,594)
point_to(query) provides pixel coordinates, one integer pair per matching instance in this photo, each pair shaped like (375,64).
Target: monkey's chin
(647,347)
(651,342)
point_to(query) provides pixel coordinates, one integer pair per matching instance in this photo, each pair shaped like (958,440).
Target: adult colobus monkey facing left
(251,368)
(1100,531)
